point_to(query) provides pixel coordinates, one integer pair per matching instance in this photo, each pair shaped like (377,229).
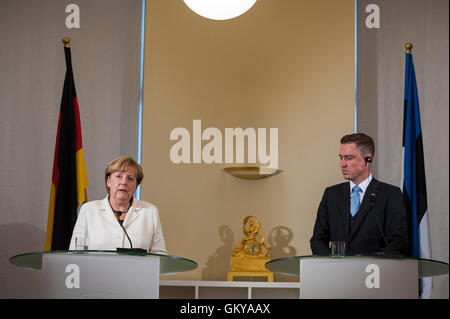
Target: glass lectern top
(168,264)
(291,265)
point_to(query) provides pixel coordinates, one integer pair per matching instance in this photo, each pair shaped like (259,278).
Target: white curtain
(106,63)
(381,76)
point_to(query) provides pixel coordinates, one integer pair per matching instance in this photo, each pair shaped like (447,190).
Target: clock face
(253,248)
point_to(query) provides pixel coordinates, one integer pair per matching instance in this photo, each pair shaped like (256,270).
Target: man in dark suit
(370,218)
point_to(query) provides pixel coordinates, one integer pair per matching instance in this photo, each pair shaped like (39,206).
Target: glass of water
(337,249)
(81,244)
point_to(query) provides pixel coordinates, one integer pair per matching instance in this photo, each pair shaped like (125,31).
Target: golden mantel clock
(250,255)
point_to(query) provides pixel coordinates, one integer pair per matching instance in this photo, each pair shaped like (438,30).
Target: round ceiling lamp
(219,9)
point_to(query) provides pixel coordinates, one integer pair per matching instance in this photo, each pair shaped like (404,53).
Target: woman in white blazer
(99,221)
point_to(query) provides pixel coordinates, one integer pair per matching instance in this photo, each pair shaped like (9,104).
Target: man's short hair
(364,142)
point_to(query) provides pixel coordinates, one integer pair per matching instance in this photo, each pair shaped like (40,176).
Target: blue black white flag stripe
(414,183)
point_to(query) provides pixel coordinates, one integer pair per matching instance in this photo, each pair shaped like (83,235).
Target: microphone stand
(134,251)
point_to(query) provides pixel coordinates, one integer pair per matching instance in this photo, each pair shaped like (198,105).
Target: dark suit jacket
(364,236)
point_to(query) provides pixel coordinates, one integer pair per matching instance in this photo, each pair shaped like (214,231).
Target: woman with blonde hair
(120,218)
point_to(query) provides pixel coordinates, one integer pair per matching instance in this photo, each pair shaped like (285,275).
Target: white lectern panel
(348,277)
(76,275)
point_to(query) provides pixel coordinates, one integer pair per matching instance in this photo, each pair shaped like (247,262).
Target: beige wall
(287,65)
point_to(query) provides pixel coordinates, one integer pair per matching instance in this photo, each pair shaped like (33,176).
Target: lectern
(101,274)
(358,276)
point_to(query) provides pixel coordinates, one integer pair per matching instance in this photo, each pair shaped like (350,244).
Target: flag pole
(408,47)
(66,41)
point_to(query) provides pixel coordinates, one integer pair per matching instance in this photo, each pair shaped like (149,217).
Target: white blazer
(97,222)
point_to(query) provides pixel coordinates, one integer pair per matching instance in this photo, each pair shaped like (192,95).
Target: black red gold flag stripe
(69,176)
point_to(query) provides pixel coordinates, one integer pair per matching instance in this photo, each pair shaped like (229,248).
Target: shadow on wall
(279,239)
(17,282)
(218,265)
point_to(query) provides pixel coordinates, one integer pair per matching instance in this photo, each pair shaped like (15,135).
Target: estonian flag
(414,185)
(69,177)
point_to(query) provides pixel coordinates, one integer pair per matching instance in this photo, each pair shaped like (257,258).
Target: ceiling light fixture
(219,9)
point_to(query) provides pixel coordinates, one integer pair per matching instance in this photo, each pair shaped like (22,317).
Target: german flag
(69,176)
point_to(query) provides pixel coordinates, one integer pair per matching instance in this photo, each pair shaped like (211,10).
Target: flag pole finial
(66,42)
(408,47)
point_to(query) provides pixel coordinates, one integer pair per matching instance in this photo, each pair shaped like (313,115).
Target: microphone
(128,250)
(372,199)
